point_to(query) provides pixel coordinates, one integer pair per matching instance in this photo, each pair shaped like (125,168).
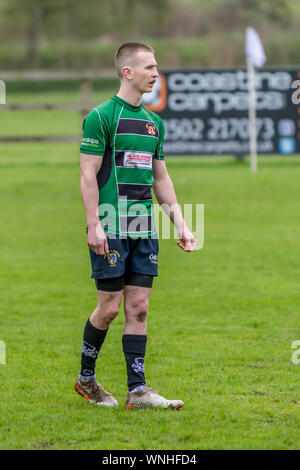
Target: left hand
(187,241)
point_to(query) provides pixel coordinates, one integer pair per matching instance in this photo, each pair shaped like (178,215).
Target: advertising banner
(205,112)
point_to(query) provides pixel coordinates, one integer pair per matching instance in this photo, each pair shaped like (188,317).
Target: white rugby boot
(149,398)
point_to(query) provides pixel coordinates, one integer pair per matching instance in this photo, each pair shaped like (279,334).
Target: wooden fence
(83,106)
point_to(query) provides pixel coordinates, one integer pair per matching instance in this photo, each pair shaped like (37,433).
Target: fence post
(2,92)
(2,353)
(85,98)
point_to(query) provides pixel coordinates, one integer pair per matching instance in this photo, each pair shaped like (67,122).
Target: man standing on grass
(121,159)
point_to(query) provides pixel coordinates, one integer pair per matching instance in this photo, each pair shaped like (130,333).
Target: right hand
(97,240)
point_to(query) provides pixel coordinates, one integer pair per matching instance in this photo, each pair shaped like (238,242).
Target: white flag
(254,49)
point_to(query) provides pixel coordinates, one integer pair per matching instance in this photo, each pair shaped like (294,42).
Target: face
(143,74)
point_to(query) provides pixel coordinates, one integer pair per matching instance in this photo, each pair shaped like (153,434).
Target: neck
(130,95)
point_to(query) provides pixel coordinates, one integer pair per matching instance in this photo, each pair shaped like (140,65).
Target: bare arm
(89,168)
(165,194)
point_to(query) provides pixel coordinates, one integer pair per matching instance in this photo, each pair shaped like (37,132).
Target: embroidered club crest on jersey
(151,129)
(112,257)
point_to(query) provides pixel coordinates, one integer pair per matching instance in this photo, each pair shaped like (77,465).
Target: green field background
(221,321)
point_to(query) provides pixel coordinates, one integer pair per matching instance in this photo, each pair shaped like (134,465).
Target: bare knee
(137,310)
(106,312)
(109,312)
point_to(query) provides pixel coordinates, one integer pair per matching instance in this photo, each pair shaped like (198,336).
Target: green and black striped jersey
(129,138)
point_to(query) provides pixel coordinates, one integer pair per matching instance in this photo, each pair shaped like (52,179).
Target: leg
(94,336)
(107,308)
(143,259)
(97,325)
(110,291)
(136,300)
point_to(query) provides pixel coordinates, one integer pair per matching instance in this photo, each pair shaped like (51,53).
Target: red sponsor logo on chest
(138,159)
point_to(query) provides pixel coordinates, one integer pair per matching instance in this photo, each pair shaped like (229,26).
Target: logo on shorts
(151,129)
(153,258)
(112,257)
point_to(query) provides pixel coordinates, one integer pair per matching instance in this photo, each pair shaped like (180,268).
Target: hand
(187,241)
(97,240)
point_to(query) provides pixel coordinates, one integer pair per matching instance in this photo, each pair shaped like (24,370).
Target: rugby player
(121,159)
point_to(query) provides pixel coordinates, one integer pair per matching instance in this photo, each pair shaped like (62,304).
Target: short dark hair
(126,51)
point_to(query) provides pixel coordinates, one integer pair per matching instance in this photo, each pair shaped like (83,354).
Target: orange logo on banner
(159,100)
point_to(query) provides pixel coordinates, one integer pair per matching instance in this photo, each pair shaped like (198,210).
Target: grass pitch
(221,322)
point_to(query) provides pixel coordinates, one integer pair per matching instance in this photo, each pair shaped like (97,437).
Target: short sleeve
(159,153)
(94,139)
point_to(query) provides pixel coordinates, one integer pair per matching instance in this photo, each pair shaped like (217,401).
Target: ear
(127,72)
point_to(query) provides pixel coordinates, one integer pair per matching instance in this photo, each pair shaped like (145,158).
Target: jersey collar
(127,105)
